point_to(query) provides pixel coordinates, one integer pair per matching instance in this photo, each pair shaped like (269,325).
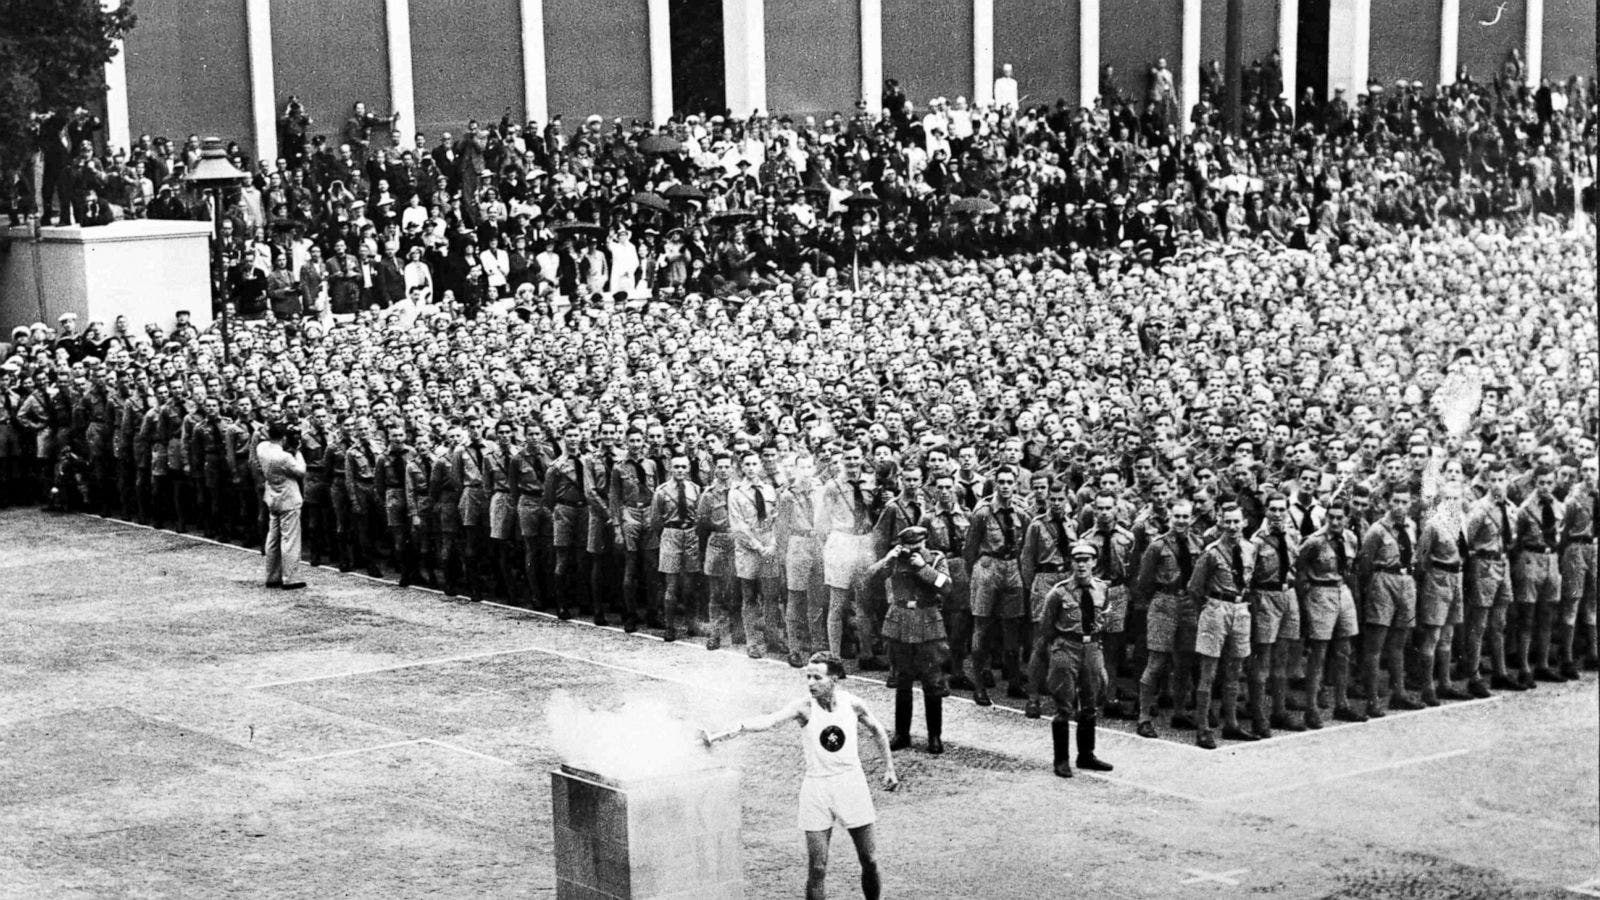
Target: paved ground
(169,729)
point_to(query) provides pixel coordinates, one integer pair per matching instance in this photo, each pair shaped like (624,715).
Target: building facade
(227,67)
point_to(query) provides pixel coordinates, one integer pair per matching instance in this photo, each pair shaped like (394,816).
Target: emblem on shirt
(832,738)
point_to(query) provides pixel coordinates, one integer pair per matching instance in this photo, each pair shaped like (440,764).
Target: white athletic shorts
(842,798)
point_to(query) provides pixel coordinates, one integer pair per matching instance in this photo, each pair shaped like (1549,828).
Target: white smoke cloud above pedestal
(641,739)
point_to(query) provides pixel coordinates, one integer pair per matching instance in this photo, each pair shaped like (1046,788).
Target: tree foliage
(52,58)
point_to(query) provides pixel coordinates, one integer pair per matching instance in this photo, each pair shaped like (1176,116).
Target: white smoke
(1448,514)
(641,739)
(1456,400)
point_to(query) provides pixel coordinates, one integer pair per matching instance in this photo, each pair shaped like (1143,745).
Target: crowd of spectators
(716,204)
(493,350)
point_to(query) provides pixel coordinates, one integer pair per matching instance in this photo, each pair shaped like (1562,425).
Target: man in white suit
(282,469)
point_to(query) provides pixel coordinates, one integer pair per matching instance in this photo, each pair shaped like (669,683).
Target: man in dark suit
(390,279)
(358,130)
(56,147)
(447,161)
(367,281)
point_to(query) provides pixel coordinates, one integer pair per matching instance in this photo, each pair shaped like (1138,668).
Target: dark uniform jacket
(915,597)
(1063,609)
(1161,568)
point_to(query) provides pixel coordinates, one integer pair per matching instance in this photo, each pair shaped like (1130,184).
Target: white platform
(144,269)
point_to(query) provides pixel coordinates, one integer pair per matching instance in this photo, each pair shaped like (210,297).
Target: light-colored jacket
(282,472)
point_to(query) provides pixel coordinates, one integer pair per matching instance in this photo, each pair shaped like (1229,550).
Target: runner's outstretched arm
(794,711)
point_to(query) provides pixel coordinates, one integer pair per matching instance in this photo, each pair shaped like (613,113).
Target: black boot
(933,707)
(902,719)
(451,572)
(1087,761)
(1061,737)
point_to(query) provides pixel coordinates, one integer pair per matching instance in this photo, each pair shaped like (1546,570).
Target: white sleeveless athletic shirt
(829,739)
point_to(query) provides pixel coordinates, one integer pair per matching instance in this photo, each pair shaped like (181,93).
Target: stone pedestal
(144,269)
(671,837)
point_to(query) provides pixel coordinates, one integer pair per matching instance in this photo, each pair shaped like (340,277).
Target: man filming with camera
(282,469)
(918,580)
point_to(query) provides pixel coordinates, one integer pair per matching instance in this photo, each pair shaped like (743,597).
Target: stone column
(118,131)
(263,96)
(983,70)
(744,55)
(1189,91)
(1088,52)
(402,94)
(1533,51)
(872,55)
(1449,39)
(1349,46)
(660,61)
(535,89)
(1289,46)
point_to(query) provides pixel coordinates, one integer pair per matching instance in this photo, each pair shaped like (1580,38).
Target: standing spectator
(1005,91)
(282,468)
(358,131)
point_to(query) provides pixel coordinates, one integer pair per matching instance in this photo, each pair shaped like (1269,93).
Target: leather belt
(1325,582)
(1011,557)
(1542,550)
(1080,637)
(1269,586)
(1047,569)
(1488,554)
(1446,566)
(1236,598)
(1391,570)
(1581,539)
(569,504)
(678,526)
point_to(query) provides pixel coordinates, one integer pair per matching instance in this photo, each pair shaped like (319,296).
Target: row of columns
(745,64)
(1350,42)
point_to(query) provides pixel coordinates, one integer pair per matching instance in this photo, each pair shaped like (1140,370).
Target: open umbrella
(658,144)
(974,205)
(683,192)
(733,217)
(861,201)
(649,200)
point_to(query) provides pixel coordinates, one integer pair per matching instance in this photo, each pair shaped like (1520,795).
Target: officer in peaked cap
(1074,613)
(917,579)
